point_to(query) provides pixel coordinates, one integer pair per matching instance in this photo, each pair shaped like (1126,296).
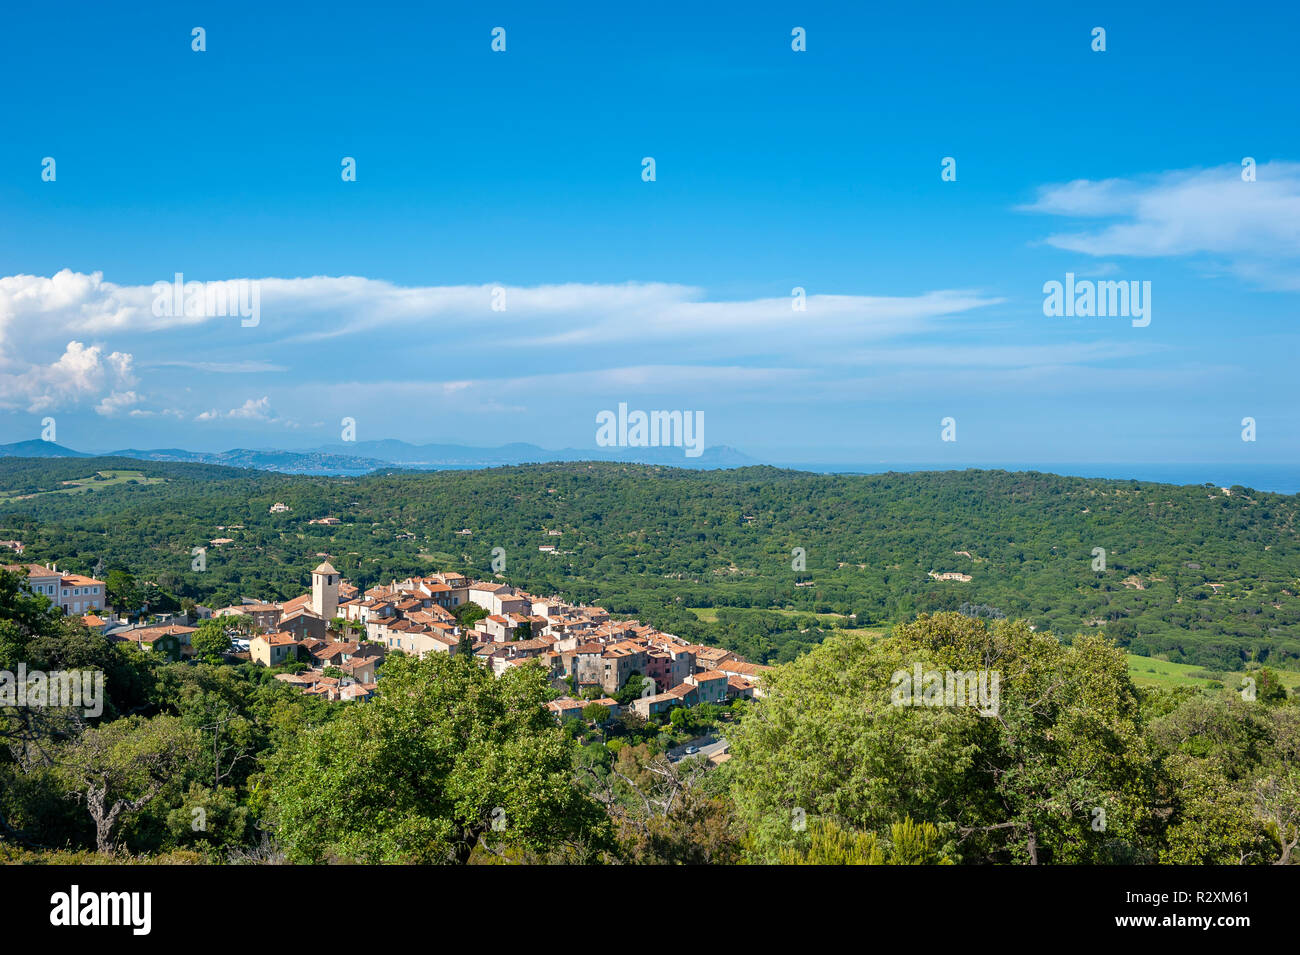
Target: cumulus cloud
(79,376)
(116,403)
(252,411)
(66,301)
(1253,227)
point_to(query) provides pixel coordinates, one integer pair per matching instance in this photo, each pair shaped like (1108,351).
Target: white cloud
(323,307)
(249,367)
(80,375)
(997,356)
(116,402)
(254,410)
(684,316)
(65,302)
(378,323)
(1254,227)
(627,380)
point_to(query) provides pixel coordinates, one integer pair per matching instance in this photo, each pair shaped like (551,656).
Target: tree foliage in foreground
(191,761)
(445,755)
(1077,765)
(1020,786)
(908,843)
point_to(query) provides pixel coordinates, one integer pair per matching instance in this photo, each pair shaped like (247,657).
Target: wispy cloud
(1252,228)
(627,380)
(323,307)
(251,367)
(1001,356)
(311,327)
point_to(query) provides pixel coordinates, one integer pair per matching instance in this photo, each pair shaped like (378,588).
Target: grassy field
(100,479)
(710,615)
(1145,671)
(1148,671)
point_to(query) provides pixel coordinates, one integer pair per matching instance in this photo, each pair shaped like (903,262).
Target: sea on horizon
(1277,478)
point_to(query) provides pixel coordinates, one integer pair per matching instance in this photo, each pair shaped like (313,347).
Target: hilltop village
(331,642)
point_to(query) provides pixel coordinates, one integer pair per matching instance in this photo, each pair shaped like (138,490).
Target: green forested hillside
(1194,573)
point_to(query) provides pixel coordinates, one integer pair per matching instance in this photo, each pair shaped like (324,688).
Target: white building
(75,593)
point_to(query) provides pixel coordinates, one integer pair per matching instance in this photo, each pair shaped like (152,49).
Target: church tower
(325,591)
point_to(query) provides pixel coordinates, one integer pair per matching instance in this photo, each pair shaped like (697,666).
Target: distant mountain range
(365,456)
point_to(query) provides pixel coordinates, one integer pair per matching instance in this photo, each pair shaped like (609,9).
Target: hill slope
(1201,575)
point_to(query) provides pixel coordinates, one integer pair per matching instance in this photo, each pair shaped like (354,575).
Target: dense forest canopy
(207,761)
(1196,573)
(196,762)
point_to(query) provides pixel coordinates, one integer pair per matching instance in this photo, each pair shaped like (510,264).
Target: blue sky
(774,169)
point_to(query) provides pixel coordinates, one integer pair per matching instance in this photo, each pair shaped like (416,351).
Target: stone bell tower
(325,591)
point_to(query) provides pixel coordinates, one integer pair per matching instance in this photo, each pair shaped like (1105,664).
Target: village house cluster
(343,635)
(580,647)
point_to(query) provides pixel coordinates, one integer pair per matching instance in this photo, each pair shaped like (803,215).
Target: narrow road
(707,745)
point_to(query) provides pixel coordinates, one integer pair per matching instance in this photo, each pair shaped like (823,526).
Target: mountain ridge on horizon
(395,454)
(379,454)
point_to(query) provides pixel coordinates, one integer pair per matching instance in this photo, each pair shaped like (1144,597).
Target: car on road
(691,750)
